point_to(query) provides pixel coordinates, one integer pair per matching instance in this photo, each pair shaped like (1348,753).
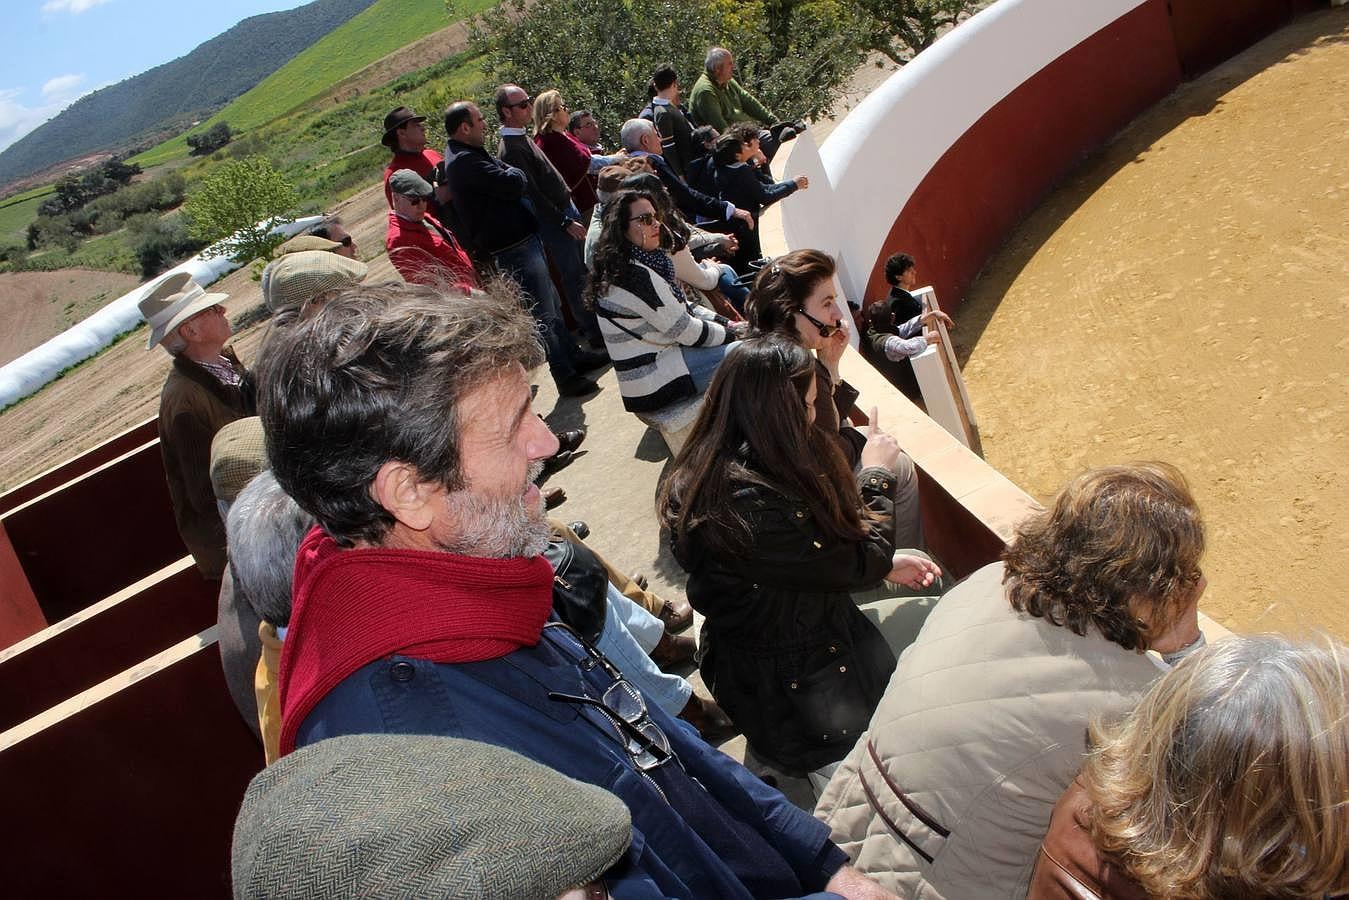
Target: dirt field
(120,387)
(38,305)
(1185,297)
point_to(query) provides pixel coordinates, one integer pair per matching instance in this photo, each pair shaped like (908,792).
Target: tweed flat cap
(376,816)
(306,242)
(300,277)
(238,454)
(410,184)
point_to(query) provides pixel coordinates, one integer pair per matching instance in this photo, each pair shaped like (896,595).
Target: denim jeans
(729,285)
(702,363)
(565,252)
(629,633)
(525,263)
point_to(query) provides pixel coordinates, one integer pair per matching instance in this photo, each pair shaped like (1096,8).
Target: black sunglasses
(346,241)
(521,104)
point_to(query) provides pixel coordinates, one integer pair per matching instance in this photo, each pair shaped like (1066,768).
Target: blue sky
(59,50)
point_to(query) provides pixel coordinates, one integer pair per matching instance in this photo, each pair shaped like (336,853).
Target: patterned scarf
(659,262)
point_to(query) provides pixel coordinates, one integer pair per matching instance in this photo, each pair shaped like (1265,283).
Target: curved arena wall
(949,154)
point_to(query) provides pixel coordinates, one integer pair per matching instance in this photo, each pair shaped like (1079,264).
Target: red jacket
(571,158)
(426,252)
(422,163)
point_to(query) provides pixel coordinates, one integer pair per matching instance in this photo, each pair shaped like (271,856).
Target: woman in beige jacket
(983,724)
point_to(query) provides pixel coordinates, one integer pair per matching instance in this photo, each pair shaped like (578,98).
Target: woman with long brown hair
(776,532)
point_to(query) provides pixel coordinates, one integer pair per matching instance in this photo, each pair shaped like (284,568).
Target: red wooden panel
(73,468)
(20,614)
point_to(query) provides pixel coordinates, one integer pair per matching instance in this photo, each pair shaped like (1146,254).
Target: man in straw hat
(200,397)
(405,135)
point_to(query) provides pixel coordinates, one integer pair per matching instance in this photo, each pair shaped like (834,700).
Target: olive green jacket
(722,107)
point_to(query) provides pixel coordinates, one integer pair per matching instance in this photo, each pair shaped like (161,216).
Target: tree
(794,54)
(238,205)
(901,28)
(210,140)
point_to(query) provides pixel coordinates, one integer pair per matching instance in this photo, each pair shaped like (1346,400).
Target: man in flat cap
(200,397)
(422,249)
(405,135)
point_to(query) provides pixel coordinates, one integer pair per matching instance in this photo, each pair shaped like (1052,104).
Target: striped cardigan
(644,325)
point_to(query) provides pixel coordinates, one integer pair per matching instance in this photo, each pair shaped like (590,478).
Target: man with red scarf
(401,419)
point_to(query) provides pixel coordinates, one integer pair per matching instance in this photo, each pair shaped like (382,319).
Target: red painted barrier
(97,643)
(95,535)
(132,790)
(86,462)
(1015,153)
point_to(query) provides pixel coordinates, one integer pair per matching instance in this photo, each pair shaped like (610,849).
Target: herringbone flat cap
(383,816)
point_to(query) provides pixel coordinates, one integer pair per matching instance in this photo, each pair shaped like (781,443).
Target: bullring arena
(1178,295)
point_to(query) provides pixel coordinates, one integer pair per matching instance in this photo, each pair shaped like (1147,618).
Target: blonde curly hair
(1231,778)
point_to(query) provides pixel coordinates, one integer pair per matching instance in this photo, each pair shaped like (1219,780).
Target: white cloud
(62,87)
(16,119)
(74,7)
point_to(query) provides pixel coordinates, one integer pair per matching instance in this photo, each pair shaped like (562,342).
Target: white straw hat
(172,302)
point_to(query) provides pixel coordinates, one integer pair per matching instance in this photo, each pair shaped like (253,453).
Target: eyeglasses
(522,104)
(645,219)
(621,707)
(346,241)
(825,330)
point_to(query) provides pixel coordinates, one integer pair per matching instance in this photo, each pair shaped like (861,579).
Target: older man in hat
(200,397)
(300,277)
(405,135)
(422,249)
(422,603)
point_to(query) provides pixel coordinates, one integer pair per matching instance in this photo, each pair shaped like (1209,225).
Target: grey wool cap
(377,816)
(410,184)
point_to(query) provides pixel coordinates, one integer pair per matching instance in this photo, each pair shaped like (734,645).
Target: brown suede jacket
(1069,866)
(192,408)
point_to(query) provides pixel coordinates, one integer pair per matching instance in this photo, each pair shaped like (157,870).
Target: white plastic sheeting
(40,365)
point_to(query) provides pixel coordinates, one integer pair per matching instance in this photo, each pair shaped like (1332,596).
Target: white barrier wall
(882,150)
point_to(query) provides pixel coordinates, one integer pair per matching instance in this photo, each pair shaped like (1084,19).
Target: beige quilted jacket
(981,728)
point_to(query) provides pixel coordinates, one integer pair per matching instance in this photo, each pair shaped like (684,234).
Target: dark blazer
(547,188)
(692,203)
(785,651)
(740,184)
(694,820)
(487,197)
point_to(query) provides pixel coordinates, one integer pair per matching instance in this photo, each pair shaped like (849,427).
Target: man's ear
(398,488)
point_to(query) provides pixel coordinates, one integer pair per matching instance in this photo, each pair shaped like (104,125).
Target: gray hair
(173,343)
(264,528)
(631,134)
(715,57)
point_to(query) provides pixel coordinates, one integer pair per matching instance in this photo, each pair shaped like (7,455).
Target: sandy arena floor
(1185,297)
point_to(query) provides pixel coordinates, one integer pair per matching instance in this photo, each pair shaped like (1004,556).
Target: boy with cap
(422,249)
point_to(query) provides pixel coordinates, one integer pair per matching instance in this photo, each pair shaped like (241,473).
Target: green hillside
(370,35)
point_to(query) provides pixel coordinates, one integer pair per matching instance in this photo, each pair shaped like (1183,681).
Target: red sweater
(422,163)
(426,252)
(571,158)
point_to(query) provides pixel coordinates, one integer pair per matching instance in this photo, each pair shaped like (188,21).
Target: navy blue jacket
(488,199)
(505,702)
(740,184)
(692,203)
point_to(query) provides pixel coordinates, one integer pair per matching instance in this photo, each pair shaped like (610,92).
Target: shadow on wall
(1195,99)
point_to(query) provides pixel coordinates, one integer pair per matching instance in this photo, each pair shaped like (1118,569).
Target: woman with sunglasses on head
(794,298)
(665,349)
(573,160)
(776,533)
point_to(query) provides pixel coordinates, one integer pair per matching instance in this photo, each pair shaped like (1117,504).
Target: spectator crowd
(458,695)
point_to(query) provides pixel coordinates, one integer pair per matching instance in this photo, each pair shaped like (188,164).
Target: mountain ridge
(202,80)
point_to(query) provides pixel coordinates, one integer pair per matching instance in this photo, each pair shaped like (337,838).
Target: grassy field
(370,35)
(16,213)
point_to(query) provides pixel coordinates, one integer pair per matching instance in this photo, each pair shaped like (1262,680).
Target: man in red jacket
(422,249)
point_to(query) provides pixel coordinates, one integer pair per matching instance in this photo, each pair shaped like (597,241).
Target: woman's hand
(912,571)
(831,351)
(880,449)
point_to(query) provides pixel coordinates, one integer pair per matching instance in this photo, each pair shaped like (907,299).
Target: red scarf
(353,607)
